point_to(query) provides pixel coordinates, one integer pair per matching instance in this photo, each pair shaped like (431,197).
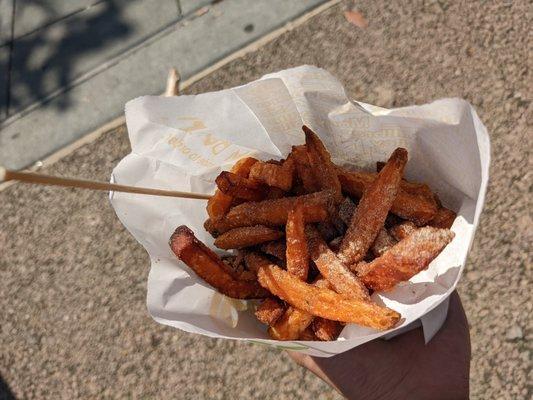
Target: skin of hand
(403,367)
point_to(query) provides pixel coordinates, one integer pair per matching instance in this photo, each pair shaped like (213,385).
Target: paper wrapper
(182,143)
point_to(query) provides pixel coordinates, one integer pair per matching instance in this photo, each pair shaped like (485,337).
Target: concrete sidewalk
(68,67)
(73,281)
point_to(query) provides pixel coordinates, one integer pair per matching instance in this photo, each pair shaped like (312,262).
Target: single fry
(291,325)
(209,266)
(402,230)
(405,259)
(297,254)
(247,236)
(443,219)
(273,212)
(303,169)
(415,207)
(219,204)
(276,249)
(238,187)
(331,268)
(326,329)
(323,168)
(324,303)
(369,217)
(270,310)
(279,176)
(383,242)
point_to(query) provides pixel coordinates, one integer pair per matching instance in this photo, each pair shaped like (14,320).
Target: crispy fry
(402,230)
(369,217)
(405,259)
(273,212)
(208,266)
(279,176)
(308,335)
(323,168)
(238,187)
(383,242)
(323,303)
(276,249)
(326,329)
(331,268)
(247,236)
(290,325)
(303,169)
(414,207)
(270,310)
(443,219)
(297,254)
(219,204)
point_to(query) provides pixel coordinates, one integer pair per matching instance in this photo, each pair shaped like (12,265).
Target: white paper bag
(182,143)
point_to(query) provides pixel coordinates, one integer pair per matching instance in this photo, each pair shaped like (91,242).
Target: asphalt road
(72,280)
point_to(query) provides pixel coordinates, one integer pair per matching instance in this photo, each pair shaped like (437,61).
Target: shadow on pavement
(42,61)
(5,392)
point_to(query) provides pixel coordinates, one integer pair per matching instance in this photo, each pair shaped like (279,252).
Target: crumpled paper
(182,143)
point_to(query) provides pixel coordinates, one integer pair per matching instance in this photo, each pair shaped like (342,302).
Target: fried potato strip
(297,255)
(270,310)
(402,230)
(247,236)
(383,242)
(210,267)
(326,329)
(238,187)
(219,204)
(275,212)
(324,303)
(331,268)
(323,169)
(414,207)
(370,214)
(279,176)
(406,259)
(443,219)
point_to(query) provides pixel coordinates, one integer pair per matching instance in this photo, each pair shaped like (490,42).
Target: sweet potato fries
(313,240)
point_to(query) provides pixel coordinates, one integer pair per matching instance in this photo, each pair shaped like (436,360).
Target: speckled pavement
(73,320)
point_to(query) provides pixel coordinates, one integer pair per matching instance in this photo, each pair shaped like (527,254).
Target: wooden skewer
(31,177)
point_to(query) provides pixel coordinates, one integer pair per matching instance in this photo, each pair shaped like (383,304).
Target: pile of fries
(314,240)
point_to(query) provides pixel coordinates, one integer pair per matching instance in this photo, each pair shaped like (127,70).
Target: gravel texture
(68,269)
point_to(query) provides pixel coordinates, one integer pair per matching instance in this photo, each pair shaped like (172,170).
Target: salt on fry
(402,230)
(405,259)
(383,242)
(370,214)
(324,303)
(414,207)
(270,310)
(247,236)
(331,268)
(297,255)
(210,267)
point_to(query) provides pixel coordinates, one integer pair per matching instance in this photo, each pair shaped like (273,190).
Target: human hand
(403,367)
